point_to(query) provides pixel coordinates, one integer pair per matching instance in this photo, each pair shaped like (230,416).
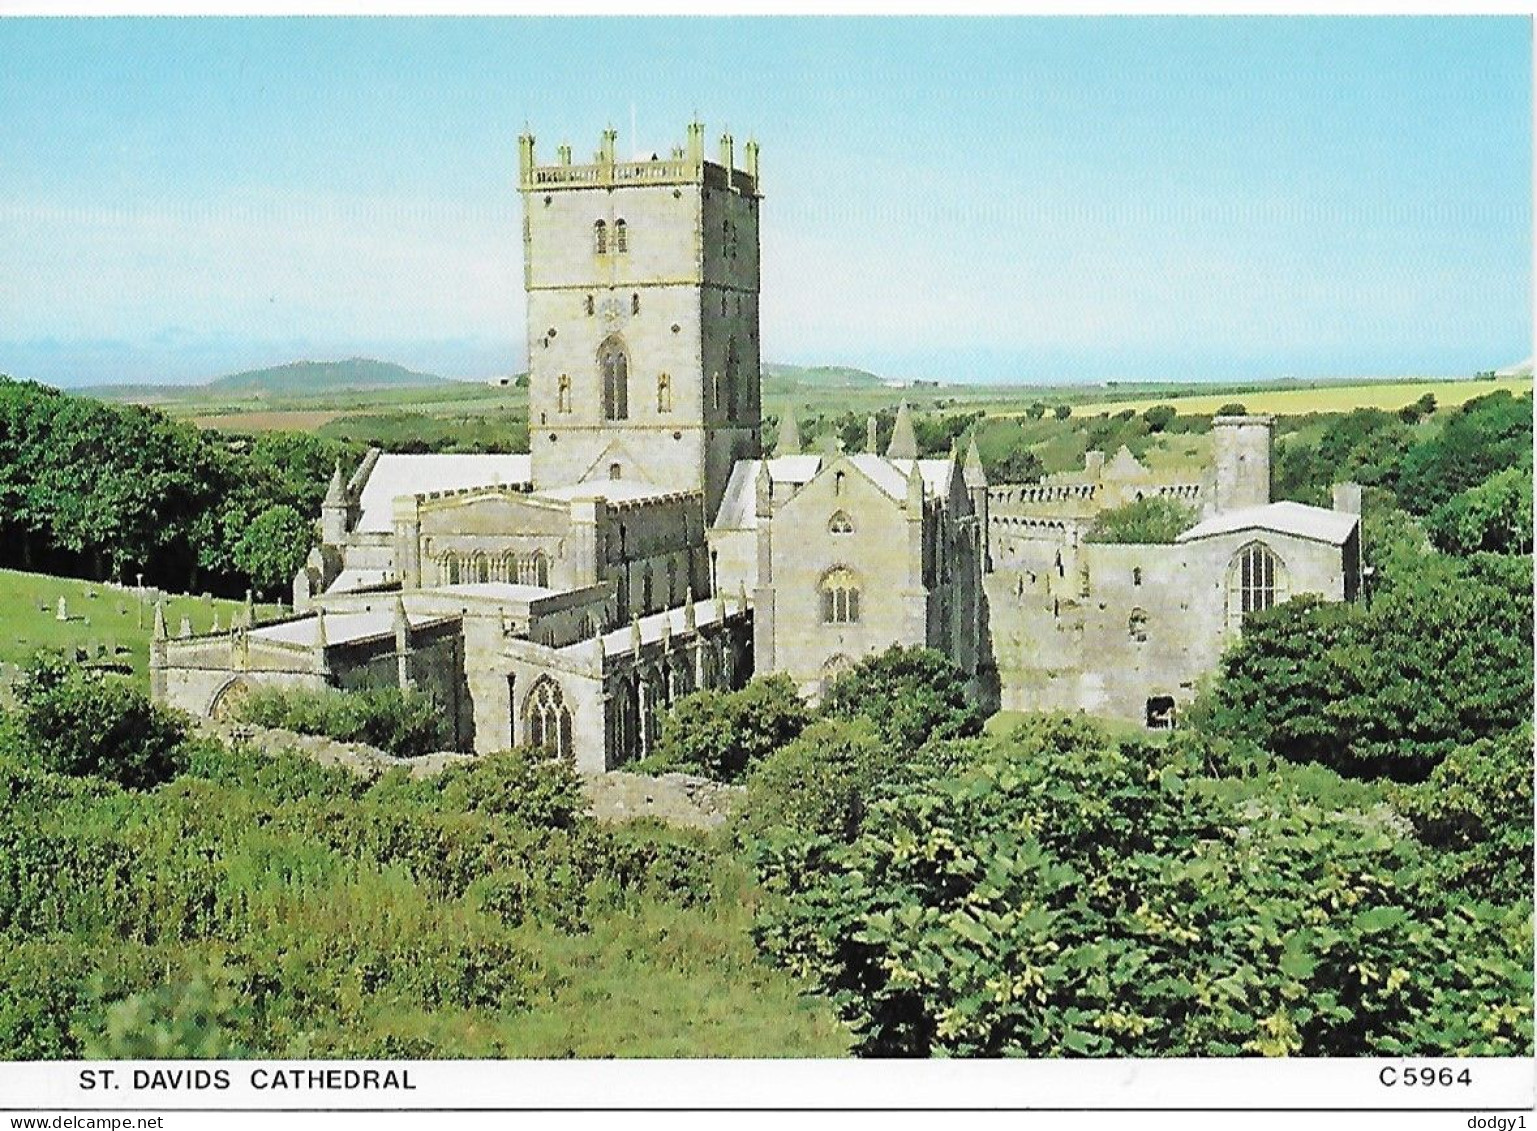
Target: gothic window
(664,392)
(563,394)
(482,567)
(448,568)
(837,483)
(615,368)
(645,588)
(840,597)
(840,523)
(1136,625)
(541,570)
(547,719)
(621,237)
(1136,575)
(832,668)
(600,238)
(672,580)
(510,571)
(733,379)
(1256,581)
(616,471)
(635,303)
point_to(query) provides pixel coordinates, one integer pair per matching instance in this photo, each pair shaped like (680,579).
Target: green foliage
(1062,411)
(1065,896)
(722,734)
(912,695)
(78,721)
(819,784)
(1486,435)
(1016,465)
(1351,687)
(273,547)
(1036,410)
(1159,417)
(1495,516)
(181,1021)
(1150,520)
(1476,808)
(405,723)
(1233,408)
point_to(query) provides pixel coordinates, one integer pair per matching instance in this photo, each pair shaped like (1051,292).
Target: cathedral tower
(642,282)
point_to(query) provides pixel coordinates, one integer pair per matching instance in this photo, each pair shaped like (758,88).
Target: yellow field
(1295,402)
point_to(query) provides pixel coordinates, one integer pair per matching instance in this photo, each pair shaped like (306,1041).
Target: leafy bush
(1495,516)
(1068,897)
(78,721)
(912,695)
(1150,520)
(1233,408)
(820,783)
(406,723)
(1351,687)
(722,734)
(1486,435)
(1159,417)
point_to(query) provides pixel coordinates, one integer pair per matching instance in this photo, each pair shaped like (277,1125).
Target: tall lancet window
(733,379)
(614,365)
(600,238)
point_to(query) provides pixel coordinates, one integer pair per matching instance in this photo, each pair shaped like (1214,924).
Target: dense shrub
(721,734)
(1495,516)
(79,721)
(1066,896)
(912,695)
(404,722)
(1352,687)
(1150,520)
(820,783)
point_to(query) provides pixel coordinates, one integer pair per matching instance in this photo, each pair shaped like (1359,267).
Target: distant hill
(818,377)
(322,376)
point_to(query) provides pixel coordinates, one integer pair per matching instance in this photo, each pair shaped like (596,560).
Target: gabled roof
(398,476)
(890,475)
(1297,519)
(739,505)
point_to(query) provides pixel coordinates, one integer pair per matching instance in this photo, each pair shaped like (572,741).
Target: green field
(106,622)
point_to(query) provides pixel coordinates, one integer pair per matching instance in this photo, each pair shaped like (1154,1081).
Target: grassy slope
(29,608)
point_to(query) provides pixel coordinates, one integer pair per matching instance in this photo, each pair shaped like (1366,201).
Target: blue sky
(972,199)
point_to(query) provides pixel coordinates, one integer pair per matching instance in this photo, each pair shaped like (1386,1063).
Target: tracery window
(547,719)
(621,237)
(1256,581)
(614,365)
(600,238)
(840,597)
(840,523)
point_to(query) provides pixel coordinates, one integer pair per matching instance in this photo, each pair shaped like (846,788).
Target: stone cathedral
(648,546)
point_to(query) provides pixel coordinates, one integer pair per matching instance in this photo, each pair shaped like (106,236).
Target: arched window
(733,379)
(621,238)
(547,719)
(840,523)
(448,568)
(1136,575)
(600,238)
(1136,625)
(589,304)
(541,570)
(1256,580)
(645,587)
(840,597)
(614,365)
(481,567)
(664,392)
(634,300)
(563,394)
(832,668)
(509,571)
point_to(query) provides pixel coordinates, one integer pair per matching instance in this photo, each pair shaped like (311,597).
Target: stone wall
(677,799)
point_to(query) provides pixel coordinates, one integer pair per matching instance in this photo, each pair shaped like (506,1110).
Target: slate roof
(1297,519)
(395,476)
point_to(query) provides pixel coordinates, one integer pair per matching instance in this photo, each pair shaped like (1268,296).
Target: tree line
(111,492)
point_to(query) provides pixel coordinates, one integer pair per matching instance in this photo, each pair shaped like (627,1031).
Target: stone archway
(225,705)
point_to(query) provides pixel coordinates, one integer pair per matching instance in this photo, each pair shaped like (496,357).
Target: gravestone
(186,627)
(63,613)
